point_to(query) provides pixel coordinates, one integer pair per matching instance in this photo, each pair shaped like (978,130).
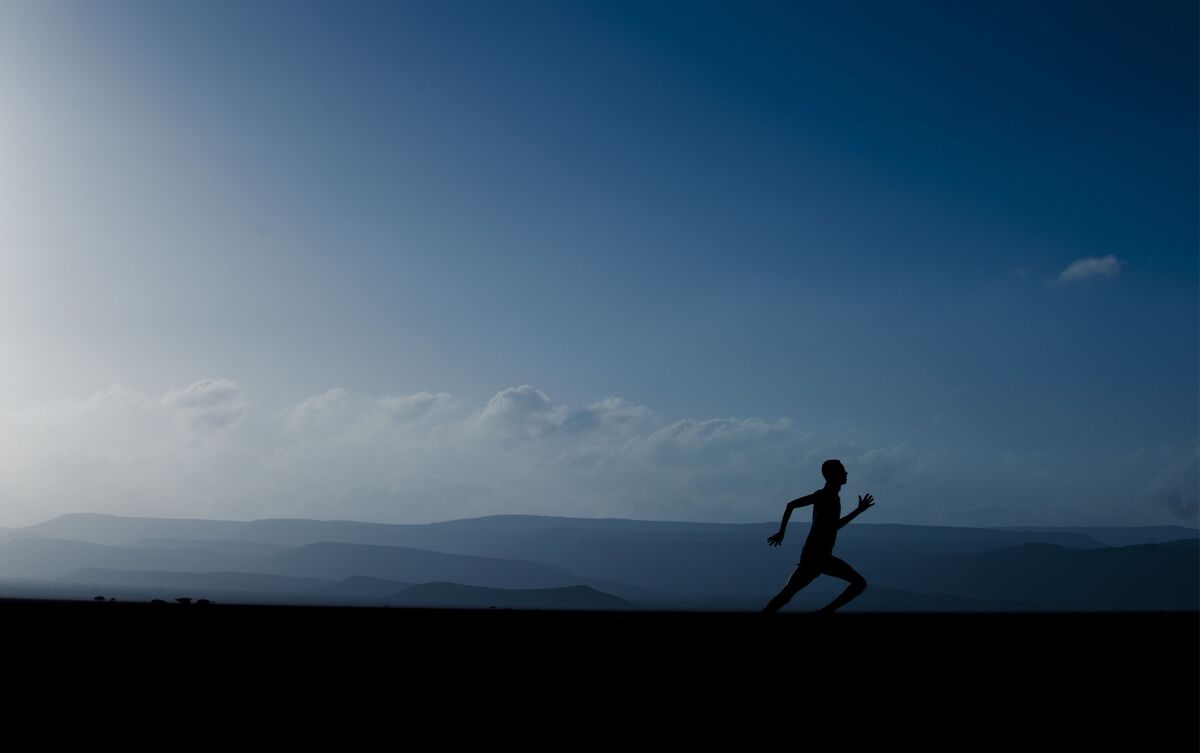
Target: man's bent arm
(850,516)
(863,503)
(787,514)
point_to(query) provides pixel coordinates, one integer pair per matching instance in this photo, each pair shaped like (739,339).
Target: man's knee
(859,583)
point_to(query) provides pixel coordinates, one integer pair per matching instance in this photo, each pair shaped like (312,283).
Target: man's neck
(835,488)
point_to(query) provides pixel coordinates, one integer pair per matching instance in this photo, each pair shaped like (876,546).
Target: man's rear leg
(840,569)
(802,576)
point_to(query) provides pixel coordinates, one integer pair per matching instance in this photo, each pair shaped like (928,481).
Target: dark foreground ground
(960,682)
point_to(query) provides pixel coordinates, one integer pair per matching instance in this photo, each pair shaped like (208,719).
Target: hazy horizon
(511,562)
(801,522)
(402,262)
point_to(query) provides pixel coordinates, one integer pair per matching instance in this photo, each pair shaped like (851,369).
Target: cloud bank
(208,450)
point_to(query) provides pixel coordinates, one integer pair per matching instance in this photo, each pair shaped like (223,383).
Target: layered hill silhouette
(50,559)
(1143,576)
(653,564)
(333,560)
(459,596)
(363,587)
(224,587)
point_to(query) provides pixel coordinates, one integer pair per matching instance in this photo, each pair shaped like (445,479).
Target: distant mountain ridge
(99,528)
(651,563)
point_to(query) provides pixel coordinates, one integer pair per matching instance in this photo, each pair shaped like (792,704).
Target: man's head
(834,472)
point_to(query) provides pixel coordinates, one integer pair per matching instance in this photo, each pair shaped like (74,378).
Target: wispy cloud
(411,407)
(209,450)
(525,412)
(214,403)
(1092,266)
(1175,485)
(205,449)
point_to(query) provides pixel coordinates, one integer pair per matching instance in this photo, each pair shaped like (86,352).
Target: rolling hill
(655,563)
(456,595)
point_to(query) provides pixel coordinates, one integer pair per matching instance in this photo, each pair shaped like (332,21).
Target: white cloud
(614,410)
(517,412)
(715,440)
(1092,266)
(412,407)
(212,403)
(208,450)
(320,408)
(525,413)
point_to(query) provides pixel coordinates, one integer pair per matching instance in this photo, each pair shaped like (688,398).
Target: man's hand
(775,540)
(865,502)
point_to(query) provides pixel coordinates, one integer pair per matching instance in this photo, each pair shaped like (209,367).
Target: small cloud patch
(1092,266)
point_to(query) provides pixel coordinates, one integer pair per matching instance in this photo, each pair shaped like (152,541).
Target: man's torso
(827,511)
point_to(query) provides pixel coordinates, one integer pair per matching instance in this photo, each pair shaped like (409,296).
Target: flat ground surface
(945,681)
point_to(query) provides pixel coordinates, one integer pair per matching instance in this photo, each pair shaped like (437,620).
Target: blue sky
(649,260)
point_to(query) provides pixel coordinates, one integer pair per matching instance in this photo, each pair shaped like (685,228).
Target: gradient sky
(418,261)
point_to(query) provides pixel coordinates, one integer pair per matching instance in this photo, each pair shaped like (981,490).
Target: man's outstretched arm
(863,503)
(777,539)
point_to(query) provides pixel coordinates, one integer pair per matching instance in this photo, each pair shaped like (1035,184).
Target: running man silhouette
(817,556)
